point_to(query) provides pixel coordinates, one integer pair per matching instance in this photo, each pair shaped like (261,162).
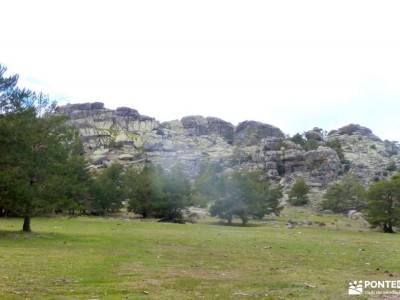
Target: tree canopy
(37,148)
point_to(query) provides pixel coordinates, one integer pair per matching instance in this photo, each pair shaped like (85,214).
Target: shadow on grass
(222,223)
(40,236)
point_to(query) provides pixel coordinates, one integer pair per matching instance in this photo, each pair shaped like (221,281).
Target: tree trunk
(230,220)
(245,219)
(27,224)
(387,228)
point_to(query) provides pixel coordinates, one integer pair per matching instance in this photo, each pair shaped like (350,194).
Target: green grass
(97,258)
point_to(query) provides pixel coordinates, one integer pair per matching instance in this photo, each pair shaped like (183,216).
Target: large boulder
(315,134)
(221,128)
(195,125)
(127,112)
(80,106)
(355,129)
(198,125)
(251,133)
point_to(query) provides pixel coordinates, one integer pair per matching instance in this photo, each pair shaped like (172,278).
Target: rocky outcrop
(315,134)
(127,137)
(198,125)
(355,129)
(367,155)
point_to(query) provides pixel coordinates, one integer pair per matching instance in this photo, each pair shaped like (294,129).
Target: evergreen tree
(144,189)
(37,147)
(107,192)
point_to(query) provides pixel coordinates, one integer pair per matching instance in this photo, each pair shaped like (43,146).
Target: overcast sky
(293,64)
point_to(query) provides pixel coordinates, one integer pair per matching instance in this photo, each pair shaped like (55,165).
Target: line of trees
(380,201)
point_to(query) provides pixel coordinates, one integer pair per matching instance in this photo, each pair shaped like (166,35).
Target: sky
(294,64)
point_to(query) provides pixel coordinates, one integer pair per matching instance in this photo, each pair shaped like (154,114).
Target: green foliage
(144,189)
(298,193)
(177,194)
(40,166)
(384,204)
(207,185)
(106,191)
(345,195)
(246,195)
(305,143)
(74,187)
(156,193)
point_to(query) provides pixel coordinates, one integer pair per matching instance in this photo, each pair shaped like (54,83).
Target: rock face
(127,137)
(368,156)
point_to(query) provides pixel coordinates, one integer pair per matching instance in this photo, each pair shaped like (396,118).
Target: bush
(298,193)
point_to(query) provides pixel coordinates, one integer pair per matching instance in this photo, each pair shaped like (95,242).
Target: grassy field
(99,258)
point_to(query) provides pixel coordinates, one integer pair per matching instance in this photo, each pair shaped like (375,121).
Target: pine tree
(36,146)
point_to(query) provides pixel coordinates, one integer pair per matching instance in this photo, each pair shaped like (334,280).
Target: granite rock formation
(125,136)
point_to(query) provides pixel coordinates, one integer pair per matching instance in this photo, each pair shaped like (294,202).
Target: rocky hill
(125,136)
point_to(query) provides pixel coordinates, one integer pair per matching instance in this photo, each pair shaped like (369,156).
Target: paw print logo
(355,287)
